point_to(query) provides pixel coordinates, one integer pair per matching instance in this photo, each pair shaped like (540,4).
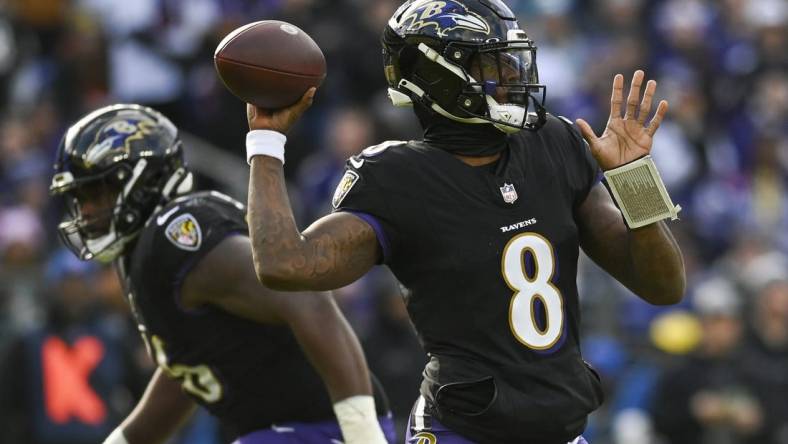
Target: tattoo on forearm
(327,253)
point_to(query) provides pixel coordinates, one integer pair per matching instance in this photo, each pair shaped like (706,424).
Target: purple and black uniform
(489,255)
(253,377)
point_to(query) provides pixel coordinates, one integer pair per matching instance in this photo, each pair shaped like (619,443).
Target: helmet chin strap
(399,98)
(107,247)
(511,114)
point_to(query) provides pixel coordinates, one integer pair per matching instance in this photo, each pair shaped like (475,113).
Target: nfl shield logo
(509,193)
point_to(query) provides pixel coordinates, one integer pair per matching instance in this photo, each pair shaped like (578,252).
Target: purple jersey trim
(599,176)
(379,232)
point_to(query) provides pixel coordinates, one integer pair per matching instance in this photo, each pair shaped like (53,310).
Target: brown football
(269,63)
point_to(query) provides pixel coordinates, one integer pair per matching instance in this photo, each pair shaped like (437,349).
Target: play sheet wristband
(640,193)
(265,143)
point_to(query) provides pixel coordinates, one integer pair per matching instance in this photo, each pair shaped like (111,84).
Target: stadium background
(714,369)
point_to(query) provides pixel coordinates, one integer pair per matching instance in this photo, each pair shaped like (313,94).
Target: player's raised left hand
(628,138)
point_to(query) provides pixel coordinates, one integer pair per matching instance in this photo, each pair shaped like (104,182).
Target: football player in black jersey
(482,220)
(257,359)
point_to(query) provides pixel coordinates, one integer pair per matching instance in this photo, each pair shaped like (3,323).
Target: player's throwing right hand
(280,120)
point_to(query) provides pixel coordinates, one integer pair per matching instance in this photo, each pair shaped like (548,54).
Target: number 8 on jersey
(522,311)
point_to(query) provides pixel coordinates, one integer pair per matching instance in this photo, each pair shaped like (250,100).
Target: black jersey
(490,257)
(247,374)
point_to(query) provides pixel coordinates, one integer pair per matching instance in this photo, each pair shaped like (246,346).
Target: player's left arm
(226,278)
(646,260)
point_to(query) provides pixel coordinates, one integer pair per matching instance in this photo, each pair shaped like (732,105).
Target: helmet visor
(507,74)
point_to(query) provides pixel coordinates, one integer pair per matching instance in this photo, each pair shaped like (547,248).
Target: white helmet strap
(413,88)
(180,181)
(435,56)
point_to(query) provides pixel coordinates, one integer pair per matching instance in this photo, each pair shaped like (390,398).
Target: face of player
(504,74)
(94,204)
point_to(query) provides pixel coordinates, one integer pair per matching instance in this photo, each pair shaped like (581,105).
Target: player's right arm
(333,252)
(159,414)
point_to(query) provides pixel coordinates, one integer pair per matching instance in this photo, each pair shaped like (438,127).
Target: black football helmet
(467,60)
(130,157)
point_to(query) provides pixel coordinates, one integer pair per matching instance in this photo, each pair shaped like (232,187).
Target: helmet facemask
(90,228)
(508,78)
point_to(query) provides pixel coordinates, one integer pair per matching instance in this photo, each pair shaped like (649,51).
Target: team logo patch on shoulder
(184,232)
(345,185)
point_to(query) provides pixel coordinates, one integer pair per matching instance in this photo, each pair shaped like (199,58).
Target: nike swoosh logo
(357,163)
(163,218)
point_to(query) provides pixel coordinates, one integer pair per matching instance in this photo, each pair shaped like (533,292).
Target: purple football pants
(326,432)
(439,433)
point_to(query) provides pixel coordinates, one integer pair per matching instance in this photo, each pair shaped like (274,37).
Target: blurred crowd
(712,370)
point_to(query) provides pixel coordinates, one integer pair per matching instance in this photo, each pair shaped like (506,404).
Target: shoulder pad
(566,120)
(227,199)
(202,196)
(357,161)
(573,128)
(377,149)
(574,131)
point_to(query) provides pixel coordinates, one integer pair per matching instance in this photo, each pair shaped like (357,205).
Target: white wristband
(359,421)
(265,143)
(116,437)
